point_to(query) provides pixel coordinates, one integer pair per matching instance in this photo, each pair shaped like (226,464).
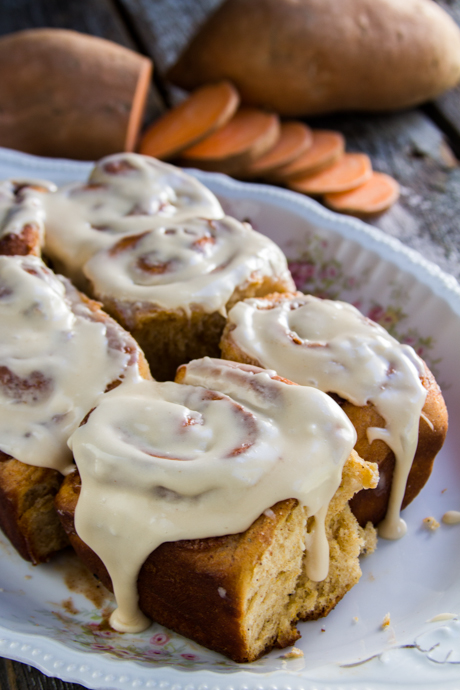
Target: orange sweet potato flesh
(326,148)
(68,94)
(352,170)
(374,196)
(248,135)
(295,138)
(204,111)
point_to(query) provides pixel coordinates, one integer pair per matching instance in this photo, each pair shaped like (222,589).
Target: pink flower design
(102,647)
(159,639)
(189,657)
(376,313)
(156,653)
(329,273)
(103,633)
(125,654)
(302,272)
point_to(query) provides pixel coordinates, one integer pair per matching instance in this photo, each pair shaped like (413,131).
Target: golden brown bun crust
(370,505)
(180,581)
(27,513)
(170,338)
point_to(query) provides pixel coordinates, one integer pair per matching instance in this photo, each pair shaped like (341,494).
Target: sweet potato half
(68,94)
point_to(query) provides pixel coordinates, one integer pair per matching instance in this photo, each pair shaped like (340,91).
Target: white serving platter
(414,580)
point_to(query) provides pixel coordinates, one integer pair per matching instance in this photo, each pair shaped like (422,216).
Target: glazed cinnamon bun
(233,495)
(384,387)
(171,286)
(58,354)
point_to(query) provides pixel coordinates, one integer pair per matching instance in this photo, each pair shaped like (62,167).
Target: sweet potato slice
(326,148)
(351,171)
(68,94)
(294,139)
(204,111)
(248,135)
(374,196)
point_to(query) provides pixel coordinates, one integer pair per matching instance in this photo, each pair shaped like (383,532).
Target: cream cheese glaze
(330,345)
(198,262)
(56,360)
(168,461)
(126,194)
(21,206)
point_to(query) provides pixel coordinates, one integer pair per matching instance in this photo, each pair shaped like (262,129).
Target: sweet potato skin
(305,57)
(68,94)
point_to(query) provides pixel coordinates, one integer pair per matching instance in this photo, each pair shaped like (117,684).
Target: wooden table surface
(418,147)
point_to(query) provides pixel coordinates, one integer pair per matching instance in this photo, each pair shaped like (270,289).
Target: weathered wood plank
(16,676)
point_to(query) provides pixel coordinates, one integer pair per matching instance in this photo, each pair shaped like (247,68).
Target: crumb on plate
(430,523)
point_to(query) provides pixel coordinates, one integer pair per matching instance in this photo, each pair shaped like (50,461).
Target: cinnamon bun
(171,287)
(152,244)
(58,354)
(384,387)
(219,519)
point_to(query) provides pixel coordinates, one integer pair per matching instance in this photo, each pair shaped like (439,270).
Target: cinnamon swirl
(171,286)
(58,354)
(228,442)
(384,387)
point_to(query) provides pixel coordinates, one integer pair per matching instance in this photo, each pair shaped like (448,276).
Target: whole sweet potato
(305,57)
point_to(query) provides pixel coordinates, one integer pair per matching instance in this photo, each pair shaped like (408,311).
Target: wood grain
(16,676)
